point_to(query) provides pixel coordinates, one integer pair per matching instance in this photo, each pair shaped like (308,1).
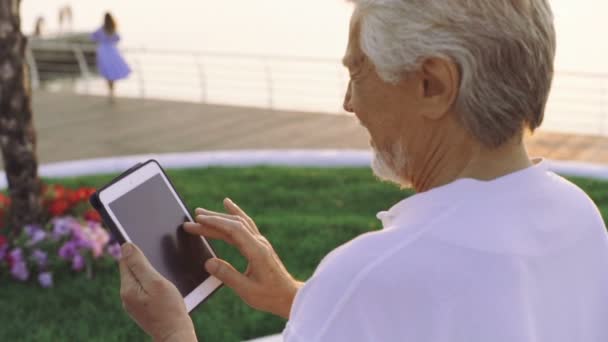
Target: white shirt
(522,258)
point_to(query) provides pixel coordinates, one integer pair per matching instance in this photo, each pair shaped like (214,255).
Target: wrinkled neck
(441,163)
(450,153)
(489,164)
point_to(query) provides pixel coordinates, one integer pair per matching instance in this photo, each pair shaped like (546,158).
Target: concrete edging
(244,158)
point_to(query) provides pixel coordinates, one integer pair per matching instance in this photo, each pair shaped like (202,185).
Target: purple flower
(78,262)
(62,226)
(40,257)
(31,229)
(19,271)
(81,242)
(45,279)
(68,250)
(3,251)
(114,250)
(16,255)
(37,236)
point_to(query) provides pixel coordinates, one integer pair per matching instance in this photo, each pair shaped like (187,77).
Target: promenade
(71,126)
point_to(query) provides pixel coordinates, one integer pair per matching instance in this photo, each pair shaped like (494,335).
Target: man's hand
(266,285)
(151,300)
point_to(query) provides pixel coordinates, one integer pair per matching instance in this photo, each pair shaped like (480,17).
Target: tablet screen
(153,218)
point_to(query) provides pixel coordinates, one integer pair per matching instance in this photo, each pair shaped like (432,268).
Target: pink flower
(96,237)
(100,240)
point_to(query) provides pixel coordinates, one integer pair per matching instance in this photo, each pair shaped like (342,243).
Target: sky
(290,27)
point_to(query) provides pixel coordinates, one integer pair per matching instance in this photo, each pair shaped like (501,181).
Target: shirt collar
(426,203)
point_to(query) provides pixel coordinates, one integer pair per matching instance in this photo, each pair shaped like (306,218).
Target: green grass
(305,213)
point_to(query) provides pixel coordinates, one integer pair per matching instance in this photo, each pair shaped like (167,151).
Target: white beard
(387,165)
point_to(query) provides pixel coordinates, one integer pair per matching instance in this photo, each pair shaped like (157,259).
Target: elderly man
(494,247)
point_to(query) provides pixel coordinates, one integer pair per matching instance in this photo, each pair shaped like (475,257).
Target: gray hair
(504,50)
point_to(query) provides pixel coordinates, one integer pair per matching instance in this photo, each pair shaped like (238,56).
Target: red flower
(5,201)
(59,207)
(59,192)
(53,192)
(3,241)
(72,197)
(92,215)
(82,194)
(46,194)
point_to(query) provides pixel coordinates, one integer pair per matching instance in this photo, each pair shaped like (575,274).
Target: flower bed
(304,212)
(71,236)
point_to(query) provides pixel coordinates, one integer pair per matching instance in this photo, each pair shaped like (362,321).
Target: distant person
(110,64)
(65,16)
(39,27)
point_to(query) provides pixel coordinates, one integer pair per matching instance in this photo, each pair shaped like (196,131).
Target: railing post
(140,77)
(269,85)
(82,65)
(202,77)
(33,68)
(602,107)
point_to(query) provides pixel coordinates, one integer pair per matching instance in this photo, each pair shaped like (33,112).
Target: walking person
(65,16)
(110,64)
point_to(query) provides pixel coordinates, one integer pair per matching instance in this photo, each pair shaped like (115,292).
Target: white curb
(244,158)
(240,158)
(579,169)
(272,338)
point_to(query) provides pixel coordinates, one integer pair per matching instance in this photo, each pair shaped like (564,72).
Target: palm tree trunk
(17,134)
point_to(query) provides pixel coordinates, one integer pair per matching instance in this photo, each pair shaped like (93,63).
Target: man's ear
(440,83)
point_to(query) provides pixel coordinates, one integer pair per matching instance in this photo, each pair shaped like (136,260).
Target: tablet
(141,206)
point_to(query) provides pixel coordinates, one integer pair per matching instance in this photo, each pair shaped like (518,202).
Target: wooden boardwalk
(73,126)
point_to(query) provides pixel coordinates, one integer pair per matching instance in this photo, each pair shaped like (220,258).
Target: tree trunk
(17,134)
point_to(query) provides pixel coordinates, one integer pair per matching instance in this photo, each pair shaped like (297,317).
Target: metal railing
(274,82)
(578,102)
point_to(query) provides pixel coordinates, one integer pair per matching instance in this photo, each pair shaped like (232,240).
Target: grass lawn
(305,213)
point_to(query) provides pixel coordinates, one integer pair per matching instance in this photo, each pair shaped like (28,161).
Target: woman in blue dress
(110,64)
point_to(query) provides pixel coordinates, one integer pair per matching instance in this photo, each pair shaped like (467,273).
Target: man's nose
(347,105)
